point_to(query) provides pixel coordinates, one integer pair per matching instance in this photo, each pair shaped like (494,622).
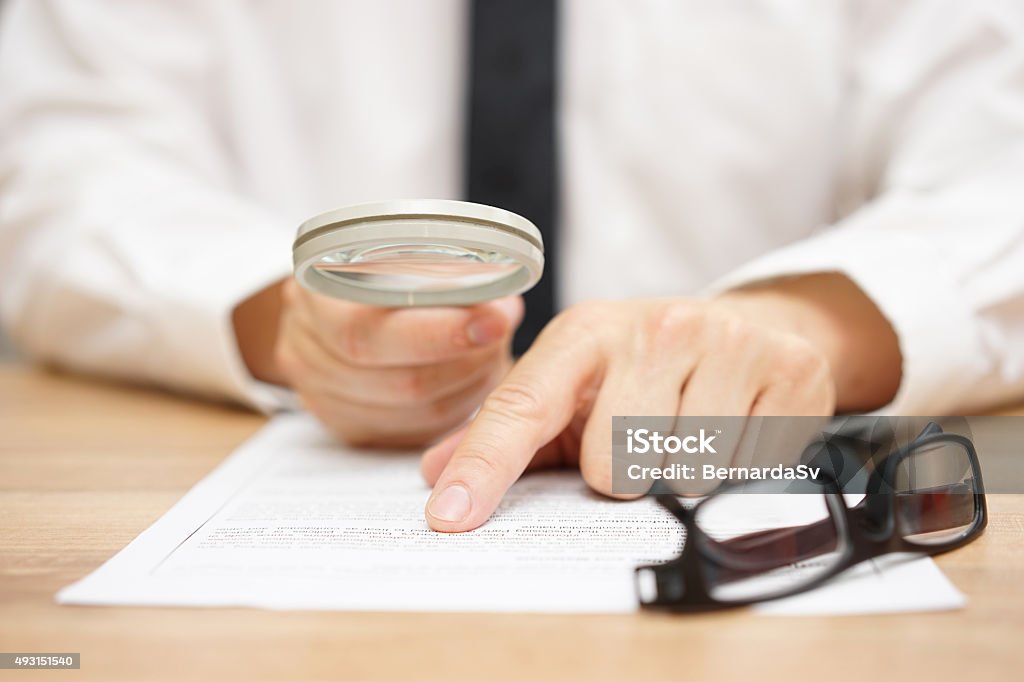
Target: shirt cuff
(196,314)
(902,273)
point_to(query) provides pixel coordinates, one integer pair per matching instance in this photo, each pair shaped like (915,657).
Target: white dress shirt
(156,158)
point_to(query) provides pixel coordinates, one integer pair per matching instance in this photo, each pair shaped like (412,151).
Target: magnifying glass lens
(417,267)
(418,252)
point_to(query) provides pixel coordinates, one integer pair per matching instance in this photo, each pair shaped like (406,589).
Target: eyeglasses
(756,542)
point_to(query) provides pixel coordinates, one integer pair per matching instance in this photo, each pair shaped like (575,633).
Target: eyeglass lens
(935,488)
(762,542)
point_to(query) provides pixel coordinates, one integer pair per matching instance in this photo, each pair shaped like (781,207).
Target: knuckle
(582,316)
(482,461)
(517,401)
(413,385)
(675,323)
(585,312)
(801,364)
(290,291)
(451,343)
(821,399)
(452,337)
(338,325)
(585,323)
(350,342)
(738,334)
(288,361)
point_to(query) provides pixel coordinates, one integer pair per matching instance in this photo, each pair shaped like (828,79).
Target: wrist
(255,321)
(834,316)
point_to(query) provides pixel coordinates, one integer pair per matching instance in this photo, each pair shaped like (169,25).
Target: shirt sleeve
(124,243)
(935,168)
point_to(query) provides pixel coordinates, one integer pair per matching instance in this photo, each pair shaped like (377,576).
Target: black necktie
(511,151)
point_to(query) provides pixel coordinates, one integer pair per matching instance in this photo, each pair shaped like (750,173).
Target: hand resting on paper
(802,346)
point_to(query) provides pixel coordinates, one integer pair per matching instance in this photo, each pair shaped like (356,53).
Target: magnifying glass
(418,252)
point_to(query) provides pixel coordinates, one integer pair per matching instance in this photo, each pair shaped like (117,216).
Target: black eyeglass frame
(864,531)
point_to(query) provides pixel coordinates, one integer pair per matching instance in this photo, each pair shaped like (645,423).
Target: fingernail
(484,330)
(451,505)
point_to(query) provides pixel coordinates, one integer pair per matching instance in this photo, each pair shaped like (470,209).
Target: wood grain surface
(85,466)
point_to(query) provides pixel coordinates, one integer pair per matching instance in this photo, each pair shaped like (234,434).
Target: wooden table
(86,466)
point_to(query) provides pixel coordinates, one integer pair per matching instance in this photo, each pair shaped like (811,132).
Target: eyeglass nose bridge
(874,518)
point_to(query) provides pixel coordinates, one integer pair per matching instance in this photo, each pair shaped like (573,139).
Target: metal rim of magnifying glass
(419,221)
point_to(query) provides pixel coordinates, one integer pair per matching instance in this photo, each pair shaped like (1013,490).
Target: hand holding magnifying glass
(392,339)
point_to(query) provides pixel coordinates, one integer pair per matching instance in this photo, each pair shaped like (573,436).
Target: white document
(293,521)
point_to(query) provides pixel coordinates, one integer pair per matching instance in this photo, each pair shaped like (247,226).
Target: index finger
(534,403)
